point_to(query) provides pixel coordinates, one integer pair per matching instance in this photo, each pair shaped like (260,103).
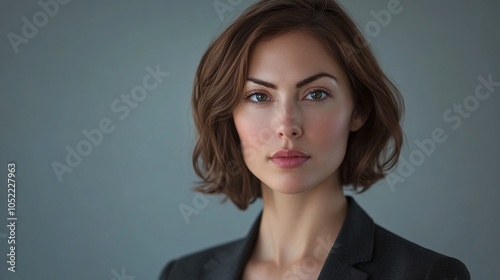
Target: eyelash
(254,92)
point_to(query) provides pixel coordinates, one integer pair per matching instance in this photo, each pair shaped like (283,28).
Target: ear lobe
(357,120)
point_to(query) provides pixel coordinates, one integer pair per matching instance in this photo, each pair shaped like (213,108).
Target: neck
(299,226)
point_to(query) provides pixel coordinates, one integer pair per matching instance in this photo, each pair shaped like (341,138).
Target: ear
(358,119)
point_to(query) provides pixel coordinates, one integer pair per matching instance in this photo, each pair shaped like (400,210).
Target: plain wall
(117,212)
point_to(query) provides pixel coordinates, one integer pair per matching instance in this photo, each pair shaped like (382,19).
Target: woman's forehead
(294,55)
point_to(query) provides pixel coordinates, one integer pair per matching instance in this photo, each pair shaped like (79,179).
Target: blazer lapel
(354,244)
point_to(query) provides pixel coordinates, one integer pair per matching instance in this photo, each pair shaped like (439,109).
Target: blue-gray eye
(258,97)
(317,95)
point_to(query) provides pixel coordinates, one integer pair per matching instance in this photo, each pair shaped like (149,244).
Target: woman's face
(296,97)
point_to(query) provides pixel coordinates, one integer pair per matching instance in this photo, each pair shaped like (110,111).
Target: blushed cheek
(332,130)
(254,134)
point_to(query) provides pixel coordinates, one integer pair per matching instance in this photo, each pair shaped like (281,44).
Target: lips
(289,158)
(288,154)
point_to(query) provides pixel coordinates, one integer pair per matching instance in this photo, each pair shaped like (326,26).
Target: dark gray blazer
(363,250)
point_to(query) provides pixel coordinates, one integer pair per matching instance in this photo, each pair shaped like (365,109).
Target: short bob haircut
(222,73)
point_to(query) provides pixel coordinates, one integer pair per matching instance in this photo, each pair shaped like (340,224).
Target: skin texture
(304,207)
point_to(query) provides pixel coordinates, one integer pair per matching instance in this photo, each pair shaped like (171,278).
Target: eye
(318,95)
(257,97)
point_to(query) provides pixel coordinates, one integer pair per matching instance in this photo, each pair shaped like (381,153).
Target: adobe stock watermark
(121,107)
(381,19)
(225,6)
(454,116)
(200,201)
(121,276)
(40,19)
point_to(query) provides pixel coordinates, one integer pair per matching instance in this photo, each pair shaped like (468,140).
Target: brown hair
(221,75)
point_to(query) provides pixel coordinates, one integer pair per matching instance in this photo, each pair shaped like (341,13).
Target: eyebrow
(298,85)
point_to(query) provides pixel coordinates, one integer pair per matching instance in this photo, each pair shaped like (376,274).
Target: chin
(288,186)
(289,190)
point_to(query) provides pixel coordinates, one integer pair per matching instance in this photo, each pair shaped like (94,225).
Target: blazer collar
(354,244)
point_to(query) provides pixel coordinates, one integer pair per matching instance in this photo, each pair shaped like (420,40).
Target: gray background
(118,212)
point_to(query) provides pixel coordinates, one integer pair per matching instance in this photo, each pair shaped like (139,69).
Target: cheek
(330,129)
(254,132)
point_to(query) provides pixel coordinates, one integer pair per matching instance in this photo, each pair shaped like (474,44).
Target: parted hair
(219,82)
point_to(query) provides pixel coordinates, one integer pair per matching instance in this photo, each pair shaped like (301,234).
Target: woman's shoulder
(399,255)
(223,261)
(369,249)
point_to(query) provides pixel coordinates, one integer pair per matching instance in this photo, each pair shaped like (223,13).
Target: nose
(288,121)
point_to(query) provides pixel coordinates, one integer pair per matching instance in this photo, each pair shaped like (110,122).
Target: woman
(291,106)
